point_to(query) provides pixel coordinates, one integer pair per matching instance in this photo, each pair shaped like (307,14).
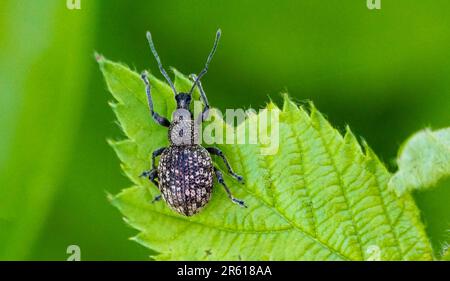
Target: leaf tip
(311,106)
(99,58)
(112,104)
(313,112)
(182,82)
(317,117)
(135,239)
(176,72)
(110,197)
(111,142)
(368,150)
(349,135)
(351,140)
(288,104)
(271,105)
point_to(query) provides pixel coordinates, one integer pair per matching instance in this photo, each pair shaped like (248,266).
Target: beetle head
(183,100)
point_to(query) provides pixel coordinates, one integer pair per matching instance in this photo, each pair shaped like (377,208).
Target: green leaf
(320,197)
(423,160)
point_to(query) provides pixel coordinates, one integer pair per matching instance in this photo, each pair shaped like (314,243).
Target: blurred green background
(386,73)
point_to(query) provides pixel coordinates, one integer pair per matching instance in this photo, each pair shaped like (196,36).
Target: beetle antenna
(161,68)
(208,60)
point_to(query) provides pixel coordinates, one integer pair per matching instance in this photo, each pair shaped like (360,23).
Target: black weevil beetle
(185,171)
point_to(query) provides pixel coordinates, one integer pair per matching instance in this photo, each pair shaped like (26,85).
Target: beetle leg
(157,198)
(218,152)
(155,154)
(222,182)
(205,111)
(145,174)
(153,172)
(158,118)
(152,175)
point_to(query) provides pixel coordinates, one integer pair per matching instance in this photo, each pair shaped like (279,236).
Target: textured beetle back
(183,132)
(186,178)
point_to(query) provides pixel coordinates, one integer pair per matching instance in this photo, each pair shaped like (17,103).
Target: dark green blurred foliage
(385,73)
